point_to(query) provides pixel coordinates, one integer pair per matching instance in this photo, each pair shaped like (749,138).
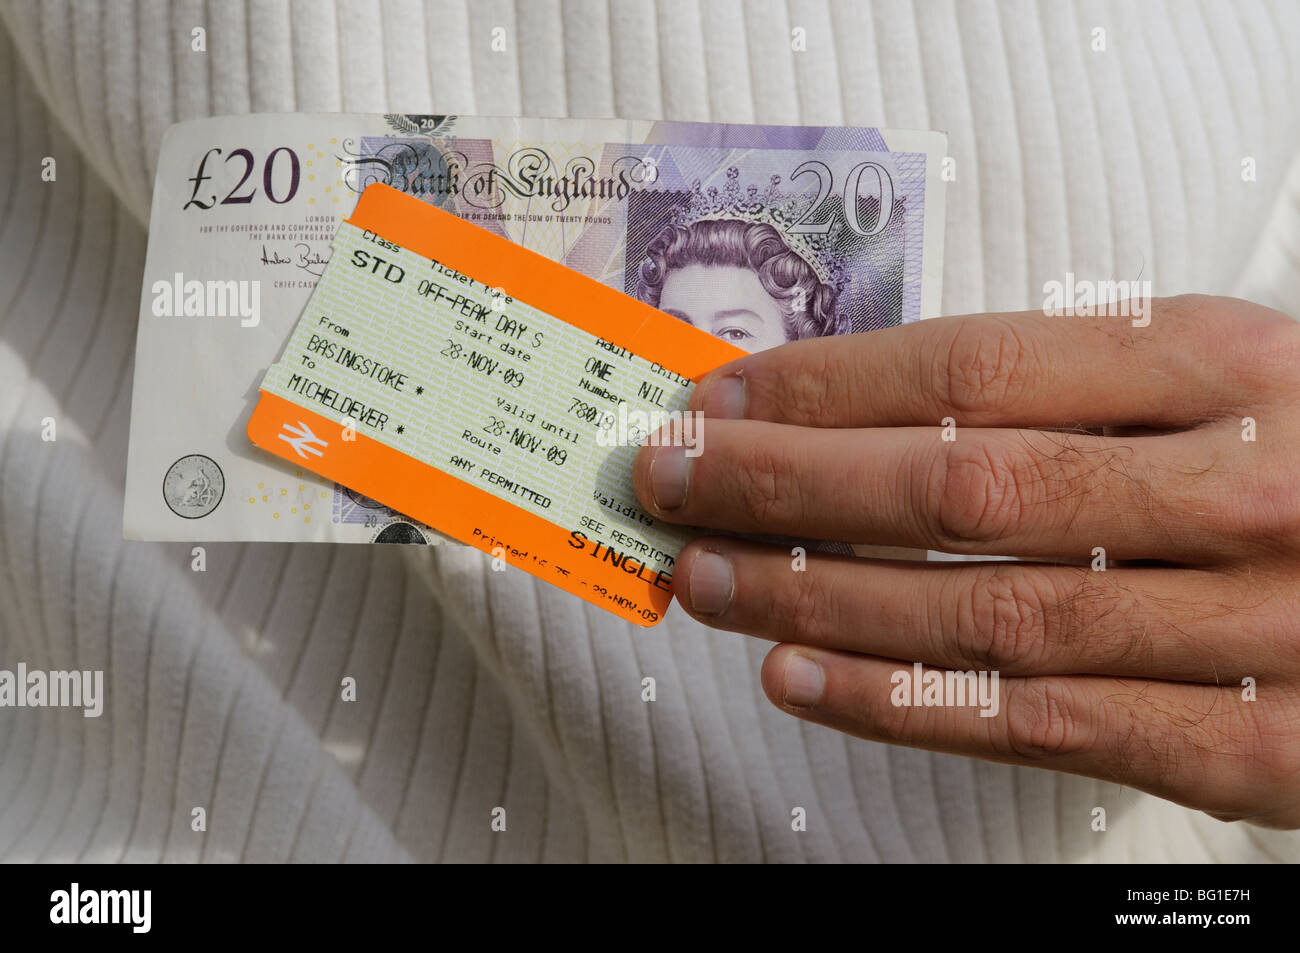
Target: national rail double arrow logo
(301,439)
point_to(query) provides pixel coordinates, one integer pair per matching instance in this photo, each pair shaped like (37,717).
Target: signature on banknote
(303,256)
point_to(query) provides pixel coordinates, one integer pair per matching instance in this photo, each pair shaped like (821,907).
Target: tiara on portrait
(781,210)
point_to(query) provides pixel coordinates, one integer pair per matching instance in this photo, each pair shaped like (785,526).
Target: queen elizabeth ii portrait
(750,269)
(739,281)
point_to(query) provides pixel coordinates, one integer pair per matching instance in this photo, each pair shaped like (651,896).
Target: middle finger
(991,491)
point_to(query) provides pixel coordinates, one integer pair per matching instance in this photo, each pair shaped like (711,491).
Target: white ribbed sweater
(480,689)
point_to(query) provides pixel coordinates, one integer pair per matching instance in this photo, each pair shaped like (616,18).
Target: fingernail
(804,681)
(670,472)
(725,398)
(711,583)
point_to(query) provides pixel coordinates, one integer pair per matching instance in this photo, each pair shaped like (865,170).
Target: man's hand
(1176,671)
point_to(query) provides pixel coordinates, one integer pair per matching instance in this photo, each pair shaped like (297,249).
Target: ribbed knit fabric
(475,689)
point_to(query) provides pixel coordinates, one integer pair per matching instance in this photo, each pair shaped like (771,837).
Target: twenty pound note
(755,235)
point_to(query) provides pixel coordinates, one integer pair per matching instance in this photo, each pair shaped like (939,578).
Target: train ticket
(491,393)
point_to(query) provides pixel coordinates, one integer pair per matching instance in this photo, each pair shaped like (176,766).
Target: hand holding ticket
(491,393)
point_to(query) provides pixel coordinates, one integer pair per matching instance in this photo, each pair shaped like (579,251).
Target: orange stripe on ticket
(545,284)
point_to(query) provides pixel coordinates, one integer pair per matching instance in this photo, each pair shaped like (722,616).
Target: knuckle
(1269,746)
(802,609)
(1242,757)
(1268,359)
(987,366)
(1261,509)
(766,491)
(1257,347)
(975,494)
(1002,625)
(1045,720)
(1190,314)
(814,394)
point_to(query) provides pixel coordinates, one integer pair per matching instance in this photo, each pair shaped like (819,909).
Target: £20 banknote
(245,210)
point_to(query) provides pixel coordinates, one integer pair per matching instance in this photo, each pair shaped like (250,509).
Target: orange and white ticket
(492,393)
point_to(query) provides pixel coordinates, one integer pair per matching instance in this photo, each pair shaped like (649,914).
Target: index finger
(1004,370)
